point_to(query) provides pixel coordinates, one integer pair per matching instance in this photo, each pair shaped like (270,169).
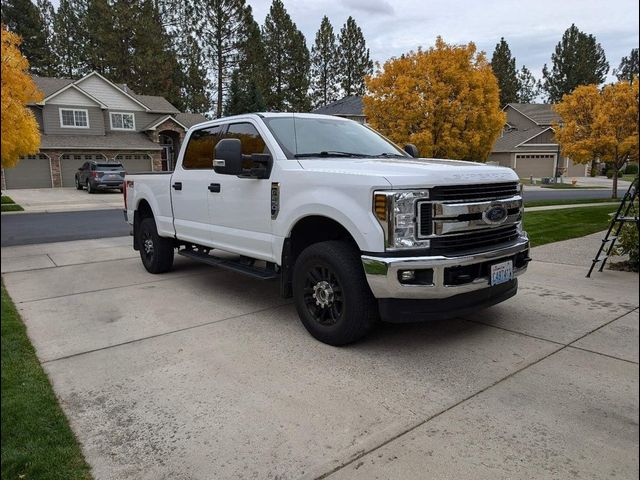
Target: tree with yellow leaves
(445,100)
(20,133)
(600,124)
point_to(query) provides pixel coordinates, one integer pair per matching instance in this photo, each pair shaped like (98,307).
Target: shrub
(631,169)
(627,244)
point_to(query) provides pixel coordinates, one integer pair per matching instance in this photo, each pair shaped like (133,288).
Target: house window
(74,118)
(123,121)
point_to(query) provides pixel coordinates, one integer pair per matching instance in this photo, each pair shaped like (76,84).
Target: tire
(90,188)
(156,252)
(344,309)
(78,184)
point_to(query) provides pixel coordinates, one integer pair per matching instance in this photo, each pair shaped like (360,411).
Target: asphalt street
(32,228)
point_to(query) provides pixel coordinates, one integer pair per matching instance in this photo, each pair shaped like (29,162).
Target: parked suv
(100,176)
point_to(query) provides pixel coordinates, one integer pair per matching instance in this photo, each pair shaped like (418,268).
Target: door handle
(214,187)
(177,185)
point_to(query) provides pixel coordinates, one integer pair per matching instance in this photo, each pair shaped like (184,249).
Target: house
(527,143)
(347,107)
(92,118)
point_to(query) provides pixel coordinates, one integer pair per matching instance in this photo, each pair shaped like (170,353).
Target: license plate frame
(501,272)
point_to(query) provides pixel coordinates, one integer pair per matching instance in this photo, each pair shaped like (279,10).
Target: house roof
(347,106)
(511,140)
(110,141)
(541,113)
(155,103)
(162,118)
(190,119)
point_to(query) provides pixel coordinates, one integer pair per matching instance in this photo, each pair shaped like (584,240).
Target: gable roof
(162,118)
(190,119)
(52,86)
(510,141)
(73,86)
(349,106)
(540,113)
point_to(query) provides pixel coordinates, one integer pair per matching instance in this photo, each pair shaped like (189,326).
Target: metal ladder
(618,221)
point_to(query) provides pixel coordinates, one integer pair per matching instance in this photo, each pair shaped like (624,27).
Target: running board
(230,264)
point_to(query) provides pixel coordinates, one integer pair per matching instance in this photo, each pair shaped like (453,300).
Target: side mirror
(228,157)
(412,150)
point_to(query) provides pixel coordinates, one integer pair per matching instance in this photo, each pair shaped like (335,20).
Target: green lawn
(628,178)
(544,203)
(37,442)
(566,186)
(556,225)
(8,205)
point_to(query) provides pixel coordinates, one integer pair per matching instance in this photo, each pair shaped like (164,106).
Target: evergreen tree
(222,22)
(354,59)
(287,71)
(243,98)
(629,67)
(155,69)
(101,46)
(23,17)
(528,86)
(195,83)
(70,37)
(251,54)
(324,66)
(49,61)
(578,59)
(504,68)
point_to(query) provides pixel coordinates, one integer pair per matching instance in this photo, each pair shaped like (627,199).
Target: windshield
(304,137)
(109,166)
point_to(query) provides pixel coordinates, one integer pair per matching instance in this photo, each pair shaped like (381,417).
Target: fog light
(407,275)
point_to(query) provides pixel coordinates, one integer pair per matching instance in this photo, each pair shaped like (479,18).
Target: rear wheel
(331,293)
(90,188)
(78,184)
(156,252)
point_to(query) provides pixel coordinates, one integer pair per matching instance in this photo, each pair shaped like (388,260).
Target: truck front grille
(475,192)
(456,244)
(425,219)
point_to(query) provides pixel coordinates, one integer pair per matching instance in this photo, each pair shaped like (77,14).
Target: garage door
(535,165)
(71,162)
(31,172)
(576,169)
(134,163)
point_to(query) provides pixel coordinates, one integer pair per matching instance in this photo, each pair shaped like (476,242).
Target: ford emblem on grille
(495,215)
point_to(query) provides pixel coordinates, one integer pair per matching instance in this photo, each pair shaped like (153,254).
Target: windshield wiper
(389,155)
(330,153)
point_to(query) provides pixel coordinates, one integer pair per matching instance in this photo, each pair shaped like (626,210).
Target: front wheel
(156,252)
(78,184)
(331,293)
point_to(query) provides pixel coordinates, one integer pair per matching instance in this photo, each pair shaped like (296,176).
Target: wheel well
(143,211)
(306,232)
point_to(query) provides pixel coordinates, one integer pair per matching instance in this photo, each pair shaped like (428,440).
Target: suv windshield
(305,137)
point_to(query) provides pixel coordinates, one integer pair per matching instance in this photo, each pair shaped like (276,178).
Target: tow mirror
(228,157)
(412,150)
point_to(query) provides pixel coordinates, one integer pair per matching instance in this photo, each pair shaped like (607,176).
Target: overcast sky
(531,28)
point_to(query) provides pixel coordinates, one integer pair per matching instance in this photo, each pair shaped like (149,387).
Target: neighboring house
(94,119)
(347,107)
(528,145)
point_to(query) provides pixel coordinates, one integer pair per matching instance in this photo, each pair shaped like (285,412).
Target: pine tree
(195,83)
(101,39)
(222,21)
(243,98)
(629,67)
(504,68)
(354,59)
(324,66)
(23,17)
(49,61)
(251,55)
(578,59)
(528,86)
(287,71)
(70,37)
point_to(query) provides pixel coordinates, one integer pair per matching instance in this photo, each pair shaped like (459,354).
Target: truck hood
(418,172)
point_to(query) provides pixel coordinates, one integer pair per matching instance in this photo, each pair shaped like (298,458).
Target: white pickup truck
(355,228)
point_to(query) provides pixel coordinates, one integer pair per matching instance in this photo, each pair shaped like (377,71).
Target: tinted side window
(199,151)
(249,137)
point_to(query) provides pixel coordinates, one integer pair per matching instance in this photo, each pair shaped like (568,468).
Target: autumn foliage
(445,100)
(20,134)
(600,123)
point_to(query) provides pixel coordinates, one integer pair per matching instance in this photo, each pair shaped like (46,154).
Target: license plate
(501,272)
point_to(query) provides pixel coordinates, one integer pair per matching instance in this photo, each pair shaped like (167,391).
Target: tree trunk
(614,193)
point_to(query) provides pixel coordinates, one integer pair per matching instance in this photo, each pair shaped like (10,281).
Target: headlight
(396,212)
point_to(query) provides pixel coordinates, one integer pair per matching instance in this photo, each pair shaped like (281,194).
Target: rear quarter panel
(155,189)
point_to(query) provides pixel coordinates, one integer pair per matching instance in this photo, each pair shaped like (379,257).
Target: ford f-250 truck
(355,228)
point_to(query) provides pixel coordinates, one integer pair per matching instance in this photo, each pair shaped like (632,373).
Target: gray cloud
(370,6)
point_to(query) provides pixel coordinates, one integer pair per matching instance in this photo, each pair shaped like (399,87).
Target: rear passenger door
(240,212)
(189,187)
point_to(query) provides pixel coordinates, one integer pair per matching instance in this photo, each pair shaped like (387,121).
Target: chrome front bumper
(382,272)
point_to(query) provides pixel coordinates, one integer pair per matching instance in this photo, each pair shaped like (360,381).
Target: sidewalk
(47,200)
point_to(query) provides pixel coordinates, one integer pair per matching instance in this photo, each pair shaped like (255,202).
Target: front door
(189,187)
(240,211)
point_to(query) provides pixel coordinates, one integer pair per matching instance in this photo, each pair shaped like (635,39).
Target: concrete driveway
(202,373)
